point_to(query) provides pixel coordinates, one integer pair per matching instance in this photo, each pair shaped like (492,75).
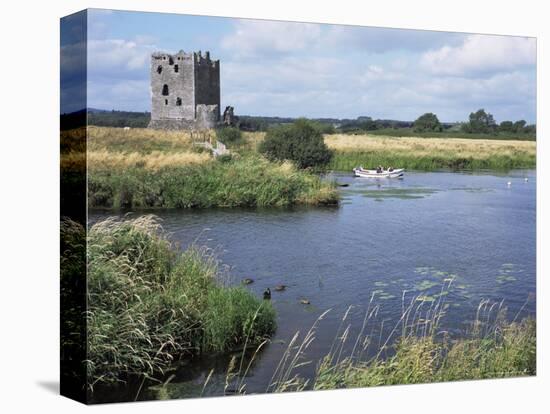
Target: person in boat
(390,169)
(379,169)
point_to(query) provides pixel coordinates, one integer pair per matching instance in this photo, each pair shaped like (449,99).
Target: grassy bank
(429,153)
(149,306)
(508,352)
(143,168)
(250,182)
(416,350)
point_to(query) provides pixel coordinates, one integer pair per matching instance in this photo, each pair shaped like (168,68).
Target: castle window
(176,68)
(178,101)
(165,90)
(170,60)
(166,102)
(159,69)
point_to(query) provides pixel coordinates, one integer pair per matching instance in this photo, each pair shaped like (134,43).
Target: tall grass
(149,306)
(247,181)
(416,350)
(141,140)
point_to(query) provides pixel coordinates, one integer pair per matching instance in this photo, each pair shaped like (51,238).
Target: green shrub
(229,135)
(300,142)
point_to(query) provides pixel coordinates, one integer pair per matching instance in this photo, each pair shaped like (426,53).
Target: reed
(416,350)
(245,181)
(149,305)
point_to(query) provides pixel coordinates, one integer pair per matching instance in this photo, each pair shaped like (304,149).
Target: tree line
(479,122)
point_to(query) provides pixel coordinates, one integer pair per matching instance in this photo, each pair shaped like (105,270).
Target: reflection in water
(394,239)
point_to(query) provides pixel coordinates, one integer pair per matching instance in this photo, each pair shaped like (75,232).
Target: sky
(291,69)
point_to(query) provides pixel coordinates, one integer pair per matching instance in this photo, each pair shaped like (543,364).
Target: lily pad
(503,278)
(386,296)
(425,298)
(426,285)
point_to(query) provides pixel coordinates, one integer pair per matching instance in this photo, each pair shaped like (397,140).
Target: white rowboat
(361,172)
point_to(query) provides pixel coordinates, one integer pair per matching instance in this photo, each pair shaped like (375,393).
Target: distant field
(449,133)
(463,147)
(429,153)
(421,153)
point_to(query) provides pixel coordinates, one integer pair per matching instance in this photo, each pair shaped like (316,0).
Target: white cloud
(259,37)
(118,56)
(481,54)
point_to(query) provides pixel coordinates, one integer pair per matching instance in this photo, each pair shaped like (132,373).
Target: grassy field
(452,133)
(429,153)
(418,153)
(142,168)
(149,306)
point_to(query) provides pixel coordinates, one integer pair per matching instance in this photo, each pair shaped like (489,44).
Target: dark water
(387,237)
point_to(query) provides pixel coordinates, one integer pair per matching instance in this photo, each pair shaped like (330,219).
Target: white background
(29,194)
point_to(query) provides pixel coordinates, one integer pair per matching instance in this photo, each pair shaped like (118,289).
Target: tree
(427,123)
(480,122)
(519,126)
(530,129)
(506,126)
(301,142)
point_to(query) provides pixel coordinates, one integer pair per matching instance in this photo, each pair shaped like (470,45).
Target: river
(397,239)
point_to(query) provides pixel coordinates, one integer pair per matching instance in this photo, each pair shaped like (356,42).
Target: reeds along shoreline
(246,182)
(149,306)
(417,349)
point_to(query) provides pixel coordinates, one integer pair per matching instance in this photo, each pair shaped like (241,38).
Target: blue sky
(298,69)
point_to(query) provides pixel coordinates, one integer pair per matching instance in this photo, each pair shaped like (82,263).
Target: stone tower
(185,91)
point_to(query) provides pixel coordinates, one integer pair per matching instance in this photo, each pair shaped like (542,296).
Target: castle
(185,91)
